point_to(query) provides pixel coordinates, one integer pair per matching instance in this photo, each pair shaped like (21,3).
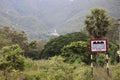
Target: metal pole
(108,74)
(92,64)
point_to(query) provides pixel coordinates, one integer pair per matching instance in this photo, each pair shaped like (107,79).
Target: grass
(56,69)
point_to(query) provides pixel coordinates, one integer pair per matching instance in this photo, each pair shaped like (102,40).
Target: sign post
(99,45)
(107,64)
(92,64)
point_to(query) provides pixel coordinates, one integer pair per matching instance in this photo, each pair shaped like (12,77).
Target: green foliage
(112,50)
(113,34)
(56,69)
(80,52)
(97,23)
(115,71)
(11,37)
(10,58)
(76,52)
(4,40)
(29,64)
(35,48)
(54,46)
(101,59)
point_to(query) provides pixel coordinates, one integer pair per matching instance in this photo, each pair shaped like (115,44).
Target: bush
(76,52)
(113,48)
(115,71)
(57,69)
(101,59)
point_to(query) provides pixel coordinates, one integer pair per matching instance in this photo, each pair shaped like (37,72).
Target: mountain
(40,17)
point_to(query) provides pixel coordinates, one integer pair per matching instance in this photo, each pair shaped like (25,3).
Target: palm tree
(97,23)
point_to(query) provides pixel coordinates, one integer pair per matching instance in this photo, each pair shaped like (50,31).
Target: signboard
(98,45)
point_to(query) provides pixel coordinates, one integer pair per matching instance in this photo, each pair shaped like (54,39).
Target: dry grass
(99,73)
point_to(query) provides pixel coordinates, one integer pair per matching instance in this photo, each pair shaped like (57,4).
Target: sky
(71,0)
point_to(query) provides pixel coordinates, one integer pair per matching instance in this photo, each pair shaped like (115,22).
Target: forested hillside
(40,17)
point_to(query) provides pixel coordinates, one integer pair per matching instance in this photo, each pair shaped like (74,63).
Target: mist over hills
(40,17)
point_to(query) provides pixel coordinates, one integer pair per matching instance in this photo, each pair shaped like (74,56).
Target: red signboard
(98,45)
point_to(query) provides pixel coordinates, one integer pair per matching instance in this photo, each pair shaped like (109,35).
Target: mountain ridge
(40,17)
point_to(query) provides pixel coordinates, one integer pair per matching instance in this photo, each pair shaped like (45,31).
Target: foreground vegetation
(53,69)
(56,69)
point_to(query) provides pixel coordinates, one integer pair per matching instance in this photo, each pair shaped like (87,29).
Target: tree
(76,52)
(35,47)
(113,48)
(97,23)
(11,59)
(79,52)
(9,37)
(54,46)
(4,40)
(113,34)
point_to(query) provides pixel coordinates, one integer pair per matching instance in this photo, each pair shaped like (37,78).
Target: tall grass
(56,69)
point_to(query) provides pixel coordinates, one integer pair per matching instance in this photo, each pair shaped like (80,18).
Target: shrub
(76,52)
(101,59)
(115,71)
